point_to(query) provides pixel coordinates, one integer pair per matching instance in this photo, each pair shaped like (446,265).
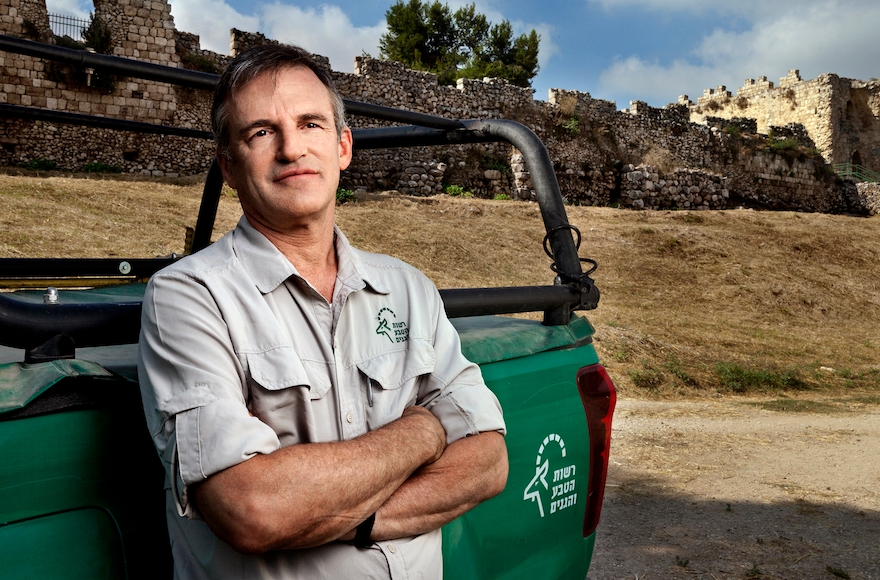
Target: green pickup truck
(80,483)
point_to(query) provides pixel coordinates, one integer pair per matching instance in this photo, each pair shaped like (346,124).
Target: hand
(430,428)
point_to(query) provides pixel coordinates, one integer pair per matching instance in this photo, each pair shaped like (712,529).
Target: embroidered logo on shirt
(394,331)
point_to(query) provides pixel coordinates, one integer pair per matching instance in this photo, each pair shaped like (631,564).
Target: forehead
(291,90)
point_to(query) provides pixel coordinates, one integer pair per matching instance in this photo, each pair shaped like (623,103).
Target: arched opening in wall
(856,158)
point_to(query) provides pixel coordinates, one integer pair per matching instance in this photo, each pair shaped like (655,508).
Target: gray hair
(254,62)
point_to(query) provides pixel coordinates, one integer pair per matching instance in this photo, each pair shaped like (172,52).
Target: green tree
(463,44)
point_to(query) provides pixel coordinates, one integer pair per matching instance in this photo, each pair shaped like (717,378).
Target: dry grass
(68,217)
(692,302)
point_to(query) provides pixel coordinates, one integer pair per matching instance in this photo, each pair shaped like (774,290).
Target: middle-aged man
(309,401)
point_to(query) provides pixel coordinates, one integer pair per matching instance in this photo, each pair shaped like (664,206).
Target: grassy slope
(692,302)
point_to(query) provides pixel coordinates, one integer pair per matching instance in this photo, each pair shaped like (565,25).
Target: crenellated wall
(841,116)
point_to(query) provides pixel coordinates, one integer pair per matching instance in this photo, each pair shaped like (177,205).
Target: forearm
(470,471)
(307,495)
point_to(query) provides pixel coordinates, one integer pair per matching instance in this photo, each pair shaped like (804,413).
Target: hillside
(693,303)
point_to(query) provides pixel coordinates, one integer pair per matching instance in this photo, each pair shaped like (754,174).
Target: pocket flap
(393,369)
(281,368)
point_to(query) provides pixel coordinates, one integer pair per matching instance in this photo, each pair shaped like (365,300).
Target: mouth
(293,173)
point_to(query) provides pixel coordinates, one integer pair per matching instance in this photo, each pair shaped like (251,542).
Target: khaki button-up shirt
(239,355)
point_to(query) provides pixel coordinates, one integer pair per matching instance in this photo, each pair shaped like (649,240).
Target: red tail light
(599,397)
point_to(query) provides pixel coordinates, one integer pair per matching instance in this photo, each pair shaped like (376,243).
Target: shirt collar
(269,268)
(352,269)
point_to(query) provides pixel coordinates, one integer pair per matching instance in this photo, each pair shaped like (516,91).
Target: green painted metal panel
(488,339)
(86,458)
(81,544)
(507,536)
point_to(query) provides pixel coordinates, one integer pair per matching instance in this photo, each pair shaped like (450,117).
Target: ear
(346,144)
(223,162)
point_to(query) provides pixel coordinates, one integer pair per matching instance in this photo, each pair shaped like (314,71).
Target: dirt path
(727,490)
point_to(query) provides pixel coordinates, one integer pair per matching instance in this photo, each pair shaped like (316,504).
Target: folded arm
(470,471)
(310,494)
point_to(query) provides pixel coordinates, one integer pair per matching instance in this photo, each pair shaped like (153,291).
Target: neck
(312,251)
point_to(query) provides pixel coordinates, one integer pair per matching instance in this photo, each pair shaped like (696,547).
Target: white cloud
(547,49)
(211,20)
(69,7)
(746,8)
(816,37)
(326,31)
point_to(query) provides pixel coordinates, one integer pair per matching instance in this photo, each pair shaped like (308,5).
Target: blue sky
(621,50)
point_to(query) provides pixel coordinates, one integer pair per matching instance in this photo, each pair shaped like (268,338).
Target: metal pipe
(111,64)
(401,116)
(409,136)
(543,177)
(52,116)
(54,268)
(208,208)
(462,302)
(28,325)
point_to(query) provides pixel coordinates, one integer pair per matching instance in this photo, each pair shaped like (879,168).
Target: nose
(291,145)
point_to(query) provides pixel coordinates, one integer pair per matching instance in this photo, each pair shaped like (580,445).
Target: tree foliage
(460,44)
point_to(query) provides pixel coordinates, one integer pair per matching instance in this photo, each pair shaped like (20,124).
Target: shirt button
(349,417)
(392,548)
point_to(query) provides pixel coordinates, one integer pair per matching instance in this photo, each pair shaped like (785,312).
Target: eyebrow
(304,118)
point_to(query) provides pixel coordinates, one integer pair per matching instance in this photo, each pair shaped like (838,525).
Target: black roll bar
(63,117)
(28,325)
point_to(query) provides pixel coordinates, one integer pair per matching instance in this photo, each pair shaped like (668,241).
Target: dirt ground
(725,489)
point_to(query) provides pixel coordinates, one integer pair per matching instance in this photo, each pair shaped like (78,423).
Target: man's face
(285,154)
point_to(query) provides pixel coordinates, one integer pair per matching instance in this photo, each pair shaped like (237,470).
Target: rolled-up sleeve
(191,386)
(461,400)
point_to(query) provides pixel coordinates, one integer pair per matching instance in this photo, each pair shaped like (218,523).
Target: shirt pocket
(391,381)
(281,393)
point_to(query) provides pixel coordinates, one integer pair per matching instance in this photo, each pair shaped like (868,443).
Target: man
(309,401)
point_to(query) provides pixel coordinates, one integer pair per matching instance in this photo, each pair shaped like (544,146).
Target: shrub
(457,191)
(788,144)
(648,378)
(492,162)
(741,380)
(501,197)
(98,35)
(344,195)
(572,125)
(732,130)
(199,62)
(40,164)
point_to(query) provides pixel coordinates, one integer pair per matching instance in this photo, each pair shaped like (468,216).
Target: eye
(260,133)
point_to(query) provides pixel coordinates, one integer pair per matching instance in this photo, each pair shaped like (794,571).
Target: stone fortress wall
(841,115)
(643,157)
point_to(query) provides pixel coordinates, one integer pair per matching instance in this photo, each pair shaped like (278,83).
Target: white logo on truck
(562,494)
